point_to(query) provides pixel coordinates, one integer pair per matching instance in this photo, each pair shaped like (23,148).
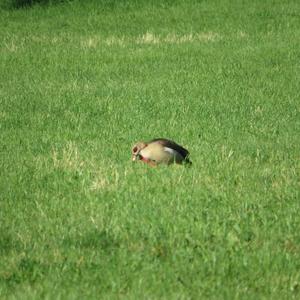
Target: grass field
(80,82)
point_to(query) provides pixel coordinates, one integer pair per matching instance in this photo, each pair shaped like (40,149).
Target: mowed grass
(81,82)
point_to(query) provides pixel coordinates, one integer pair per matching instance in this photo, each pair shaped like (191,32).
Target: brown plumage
(160,151)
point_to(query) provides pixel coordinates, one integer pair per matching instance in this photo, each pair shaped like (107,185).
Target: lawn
(81,82)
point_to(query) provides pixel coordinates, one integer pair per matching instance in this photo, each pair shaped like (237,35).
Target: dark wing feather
(173,145)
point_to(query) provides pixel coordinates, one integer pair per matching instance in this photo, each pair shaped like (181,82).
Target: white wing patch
(170,150)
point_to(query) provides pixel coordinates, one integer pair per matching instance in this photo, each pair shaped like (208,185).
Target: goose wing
(172,145)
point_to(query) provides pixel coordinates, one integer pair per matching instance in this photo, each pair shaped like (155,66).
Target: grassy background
(80,82)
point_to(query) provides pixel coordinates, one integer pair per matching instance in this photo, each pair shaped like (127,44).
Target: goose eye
(135,149)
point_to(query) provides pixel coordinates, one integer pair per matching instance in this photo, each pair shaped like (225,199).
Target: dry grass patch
(174,38)
(12,46)
(68,159)
(150,39)
(105,178)
(192,37)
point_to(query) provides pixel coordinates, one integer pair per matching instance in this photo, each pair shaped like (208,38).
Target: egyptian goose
(160,151)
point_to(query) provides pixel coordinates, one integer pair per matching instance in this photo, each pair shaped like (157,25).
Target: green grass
(80,82)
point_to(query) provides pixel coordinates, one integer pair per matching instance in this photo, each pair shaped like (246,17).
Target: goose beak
(136,157)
